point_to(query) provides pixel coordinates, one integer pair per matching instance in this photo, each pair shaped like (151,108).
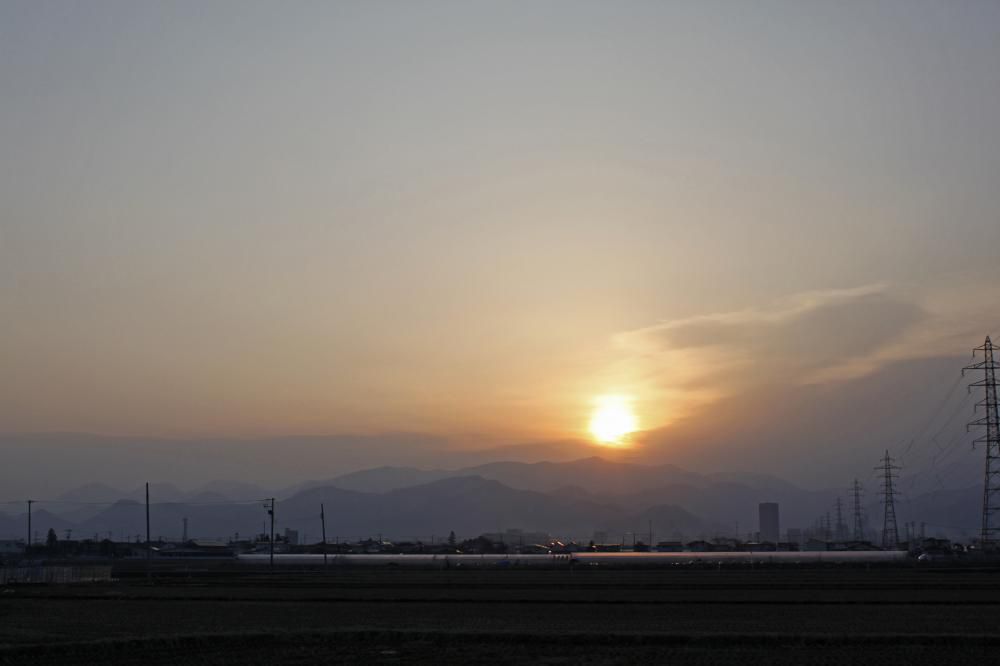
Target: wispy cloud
(810,337)
(806,332)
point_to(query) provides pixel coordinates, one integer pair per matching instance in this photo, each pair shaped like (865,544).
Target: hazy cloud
(810,331)
(811,337)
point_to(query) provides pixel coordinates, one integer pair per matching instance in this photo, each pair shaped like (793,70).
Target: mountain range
(571,499)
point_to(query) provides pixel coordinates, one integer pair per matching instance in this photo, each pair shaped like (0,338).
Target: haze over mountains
(406,486)
(807,434)
(567,499)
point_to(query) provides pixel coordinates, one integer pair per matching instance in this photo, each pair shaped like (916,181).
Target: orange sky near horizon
(248,219)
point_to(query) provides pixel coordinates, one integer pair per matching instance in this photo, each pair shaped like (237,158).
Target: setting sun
(613,420)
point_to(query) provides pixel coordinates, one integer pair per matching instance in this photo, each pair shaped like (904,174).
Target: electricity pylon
(841,531)
(991,421)
(890,531)
(859,527)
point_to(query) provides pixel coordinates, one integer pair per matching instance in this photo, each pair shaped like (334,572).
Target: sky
(472,220)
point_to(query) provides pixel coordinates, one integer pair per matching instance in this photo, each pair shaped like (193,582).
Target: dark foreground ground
(373,616)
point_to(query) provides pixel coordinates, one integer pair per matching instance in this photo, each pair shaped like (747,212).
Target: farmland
(825,615)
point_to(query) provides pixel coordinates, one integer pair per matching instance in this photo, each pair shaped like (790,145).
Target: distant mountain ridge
(575,498)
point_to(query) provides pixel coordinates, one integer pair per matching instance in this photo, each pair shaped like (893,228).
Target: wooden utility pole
(28,546)
(149,545)
(269,504)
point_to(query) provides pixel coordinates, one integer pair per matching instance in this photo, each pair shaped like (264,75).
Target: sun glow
(613,420)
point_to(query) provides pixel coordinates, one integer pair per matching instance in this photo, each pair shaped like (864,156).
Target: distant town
(768,539)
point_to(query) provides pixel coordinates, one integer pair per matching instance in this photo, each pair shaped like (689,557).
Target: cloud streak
(810,337)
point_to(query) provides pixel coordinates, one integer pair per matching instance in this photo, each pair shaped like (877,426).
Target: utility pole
(269,505)
(322,520)
(890,531)
(859,528)
(149,552)
(30,502)
(991,421)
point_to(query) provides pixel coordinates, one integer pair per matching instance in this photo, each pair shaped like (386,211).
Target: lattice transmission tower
(841,529)
(890,531)
(859,525)
(991,421)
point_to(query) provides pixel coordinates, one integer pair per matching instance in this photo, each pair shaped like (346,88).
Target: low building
(11,547)
(725,544)
(816,545)
(196,548)
(936,546)
(515,538)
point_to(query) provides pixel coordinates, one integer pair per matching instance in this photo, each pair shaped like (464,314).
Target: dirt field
(831,616)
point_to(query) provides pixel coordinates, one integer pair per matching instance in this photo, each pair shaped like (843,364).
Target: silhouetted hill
(205,520)
(469,505)
(568,499)
(16,527)
(381,479)
(233,490)
(668,522)
(92,492)
(595,474)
